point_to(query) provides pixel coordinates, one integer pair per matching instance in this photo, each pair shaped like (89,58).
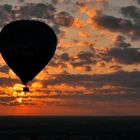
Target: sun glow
(19,100)
(17,90)
(36,85)
(22,97)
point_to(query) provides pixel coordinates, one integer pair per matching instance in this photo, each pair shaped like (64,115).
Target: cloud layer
(96,65)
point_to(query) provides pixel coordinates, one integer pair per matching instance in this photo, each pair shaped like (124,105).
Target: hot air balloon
(27,46)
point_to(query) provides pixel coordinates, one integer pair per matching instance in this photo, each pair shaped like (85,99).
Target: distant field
(69,128)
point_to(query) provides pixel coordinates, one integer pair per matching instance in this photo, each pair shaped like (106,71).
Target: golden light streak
(23,97)
(19,100)
(64,87)
(84,34)
(36,85)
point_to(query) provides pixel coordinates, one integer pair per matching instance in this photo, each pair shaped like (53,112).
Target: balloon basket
(26,89)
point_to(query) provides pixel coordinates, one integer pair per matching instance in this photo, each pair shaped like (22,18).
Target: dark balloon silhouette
(27,46)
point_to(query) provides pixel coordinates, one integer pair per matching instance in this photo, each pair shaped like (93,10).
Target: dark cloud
(136,32)
(123,52)
(8,101)
(65,57)
(115,24)
(4,69)
(84,58)
(8,81)
(81,4)
(120,42)
(21,0)
(57,28)
(6,14)
(125,55)
(138,1)
(60,60)
(61,1)
(64,19)
(39,10)
(87,68)
(89,80)
(70,79)
(67,1)
(122,79)
(114,86)
(54,1)
(131,12)
(28,11)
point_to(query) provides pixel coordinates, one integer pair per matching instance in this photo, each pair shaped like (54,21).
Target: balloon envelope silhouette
(27,46)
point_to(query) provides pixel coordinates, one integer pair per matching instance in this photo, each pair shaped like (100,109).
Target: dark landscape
(69,128)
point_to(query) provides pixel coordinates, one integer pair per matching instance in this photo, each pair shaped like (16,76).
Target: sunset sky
(96,67)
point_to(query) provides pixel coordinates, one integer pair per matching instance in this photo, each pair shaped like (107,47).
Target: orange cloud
(90,12)
(80,68)
(93,23)
(78,44)
(36,85)
(55,70)
(78,23)
(84,34)
(103,67)
(65,30)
